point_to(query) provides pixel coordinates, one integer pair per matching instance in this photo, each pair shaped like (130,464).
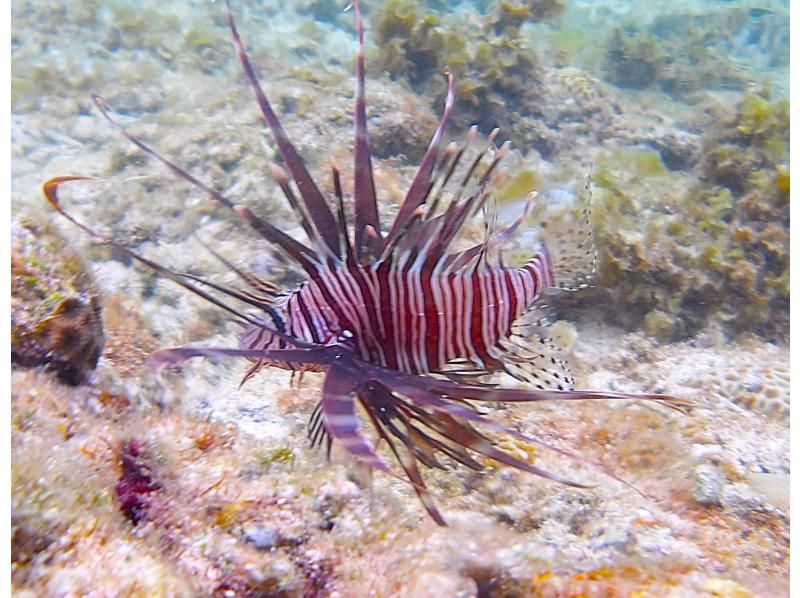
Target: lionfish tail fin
(566,235)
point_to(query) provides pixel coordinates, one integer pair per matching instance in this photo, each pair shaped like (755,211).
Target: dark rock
(55,310)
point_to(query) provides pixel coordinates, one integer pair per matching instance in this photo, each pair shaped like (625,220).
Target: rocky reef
(122,495)
(711,248)
(691,215)
(688,52)
(55,309)
(496,68)
(206,488)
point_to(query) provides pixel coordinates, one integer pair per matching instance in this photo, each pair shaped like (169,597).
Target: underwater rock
(55,310)
(67,519)
(129,339)
(685,54)
(392,133)
(507,15)
(27,542)
(633,59)
(678,149)
(679,252)
(497,72)
(741,499)
(710,43)
(660,325)
(260,536)
(707,489)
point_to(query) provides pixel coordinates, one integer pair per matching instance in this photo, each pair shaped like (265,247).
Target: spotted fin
(563,224)
(530,353)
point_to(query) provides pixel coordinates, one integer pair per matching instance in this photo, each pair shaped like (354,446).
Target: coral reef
(55,310)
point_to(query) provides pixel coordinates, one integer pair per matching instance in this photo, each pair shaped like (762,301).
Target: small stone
(702,452)
(260,536)
(679,150)
(617,538)
(707,489)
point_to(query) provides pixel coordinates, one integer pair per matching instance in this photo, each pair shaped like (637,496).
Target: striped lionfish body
(401,318)
(414,319)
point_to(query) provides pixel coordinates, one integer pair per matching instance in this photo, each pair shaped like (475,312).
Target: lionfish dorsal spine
(368,239)
(421,185)
(315,204)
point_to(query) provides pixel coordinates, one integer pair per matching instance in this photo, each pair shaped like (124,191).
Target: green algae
(649,164)
(518,187)
(282,455)
(497,72)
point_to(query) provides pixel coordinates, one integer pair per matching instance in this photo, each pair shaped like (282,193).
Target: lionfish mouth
(388,314)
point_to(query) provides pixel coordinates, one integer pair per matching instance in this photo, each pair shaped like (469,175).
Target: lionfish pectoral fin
(50,189)
(307,354)
(407,457)
(340,419)
(446,398)
(467,436)
(462,433)
(530,354)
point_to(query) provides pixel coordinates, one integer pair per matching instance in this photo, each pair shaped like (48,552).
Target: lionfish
(401,319)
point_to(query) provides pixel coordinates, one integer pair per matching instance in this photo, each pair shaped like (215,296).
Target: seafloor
(124,488)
